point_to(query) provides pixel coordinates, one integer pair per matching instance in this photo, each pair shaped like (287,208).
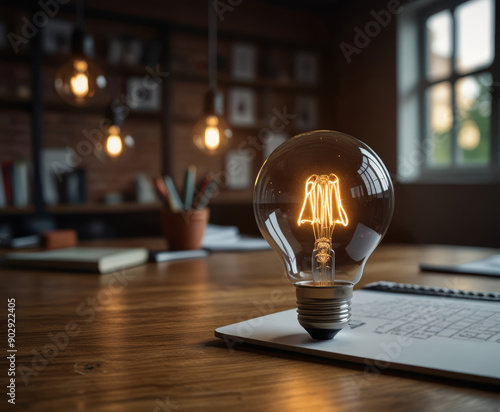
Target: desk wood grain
(142,340)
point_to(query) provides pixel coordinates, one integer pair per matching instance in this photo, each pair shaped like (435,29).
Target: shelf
(100,110)
(98,208)
(16,58)
(262,83)
(259,125)
(57,60)
(14,104)
(12,210)
(242,196)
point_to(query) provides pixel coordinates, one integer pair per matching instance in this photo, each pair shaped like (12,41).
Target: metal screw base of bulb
(324,311)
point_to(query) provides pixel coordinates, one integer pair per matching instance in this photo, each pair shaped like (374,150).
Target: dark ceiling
(313,6)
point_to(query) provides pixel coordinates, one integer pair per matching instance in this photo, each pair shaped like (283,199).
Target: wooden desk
(146,340)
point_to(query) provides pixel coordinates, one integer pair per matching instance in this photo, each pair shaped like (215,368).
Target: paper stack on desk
(489,266)
(228,239)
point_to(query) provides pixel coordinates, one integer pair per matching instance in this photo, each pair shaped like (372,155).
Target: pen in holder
(185,217)
(184,229)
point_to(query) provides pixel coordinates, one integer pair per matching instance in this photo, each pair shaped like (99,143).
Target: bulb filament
(80,81)
(322,208)
(114,145)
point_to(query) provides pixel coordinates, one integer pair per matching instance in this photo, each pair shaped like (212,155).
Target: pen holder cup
(184,230)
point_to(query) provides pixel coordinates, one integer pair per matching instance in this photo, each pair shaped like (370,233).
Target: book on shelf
(20,184)
(7,181)
(3,197)
(15,184)
(53,166)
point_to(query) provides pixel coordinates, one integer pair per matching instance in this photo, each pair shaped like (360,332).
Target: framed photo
(242,106)
(115,50)
(238,169)
(306,111)
(143,96)
(125,50)
(306,68)
(278,65)
(57,36)
(244,58)
(272,141)
(132,50)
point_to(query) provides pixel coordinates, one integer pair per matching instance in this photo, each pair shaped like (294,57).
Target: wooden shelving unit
(97,208)
(260,84)
(167,118)
(39,106)
(12,210)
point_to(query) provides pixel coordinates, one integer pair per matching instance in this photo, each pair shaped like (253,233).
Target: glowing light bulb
(211,134)
(115,148)
(212,137)
(80,85)
(80,81)
(323,200)
(114,145)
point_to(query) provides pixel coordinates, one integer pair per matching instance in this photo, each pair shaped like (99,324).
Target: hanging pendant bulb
(80,80)
(117,145)
(211,132)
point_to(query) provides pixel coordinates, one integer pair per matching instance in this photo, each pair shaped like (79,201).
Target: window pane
(438,45)
(474,35)
(440,122)
(474,110)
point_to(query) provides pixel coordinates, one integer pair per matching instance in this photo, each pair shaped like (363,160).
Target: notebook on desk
(81,259)
(455,338)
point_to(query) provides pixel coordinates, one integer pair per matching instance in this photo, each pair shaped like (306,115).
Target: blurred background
(417,81)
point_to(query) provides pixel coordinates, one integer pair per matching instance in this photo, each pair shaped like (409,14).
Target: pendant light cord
(212,46)
(80,11)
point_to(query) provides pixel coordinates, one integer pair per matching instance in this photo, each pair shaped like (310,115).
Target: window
(448,97)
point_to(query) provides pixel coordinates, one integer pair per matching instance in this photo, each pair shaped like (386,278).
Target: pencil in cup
(207,190)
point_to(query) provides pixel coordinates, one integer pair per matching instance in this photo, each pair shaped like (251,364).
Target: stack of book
(15,183)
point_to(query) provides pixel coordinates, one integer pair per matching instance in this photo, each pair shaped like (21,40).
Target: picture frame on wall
(244,62)
(132,50)
(238,165)
(142,98)
(126,50)
(242,110)
(278,65)
(306,111)
(114,50)
(272,141)
(306,68)
(57,36)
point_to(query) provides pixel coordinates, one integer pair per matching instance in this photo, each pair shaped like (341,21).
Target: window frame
(418,14)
